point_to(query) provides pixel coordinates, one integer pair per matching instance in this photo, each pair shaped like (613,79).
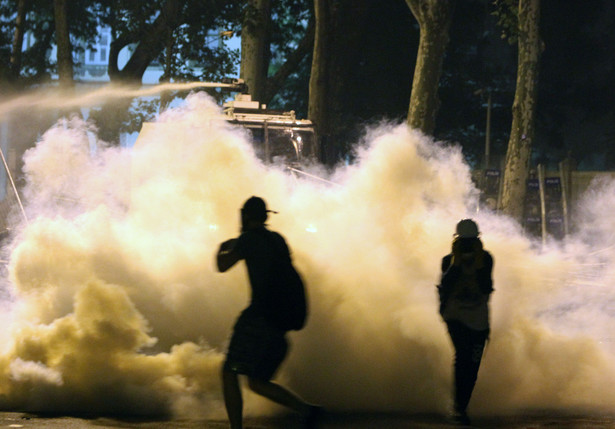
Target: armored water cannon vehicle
(277,136)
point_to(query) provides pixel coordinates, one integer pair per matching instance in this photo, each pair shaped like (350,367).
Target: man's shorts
(256,348)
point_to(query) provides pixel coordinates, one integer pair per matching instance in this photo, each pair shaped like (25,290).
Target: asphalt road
(335,421)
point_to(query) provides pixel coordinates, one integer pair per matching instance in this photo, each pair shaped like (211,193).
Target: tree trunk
(20,21)
(340,24)
(434,18)
(65,51)
(318,109)
(524,110)
(255,47)
(166,97)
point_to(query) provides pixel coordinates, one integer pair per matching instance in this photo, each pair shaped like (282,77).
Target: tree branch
(415,8)
(275,82)
(114,52)
(153,41)
(20,20)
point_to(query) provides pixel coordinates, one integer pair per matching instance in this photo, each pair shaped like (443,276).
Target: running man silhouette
(258,344)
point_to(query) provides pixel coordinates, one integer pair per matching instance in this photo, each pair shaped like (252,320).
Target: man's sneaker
(461,419)
(313,417)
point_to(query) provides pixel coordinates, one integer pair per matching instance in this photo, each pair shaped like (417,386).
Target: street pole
(543,208)
(488,132)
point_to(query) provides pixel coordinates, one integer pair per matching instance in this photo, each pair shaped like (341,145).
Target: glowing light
(311,228)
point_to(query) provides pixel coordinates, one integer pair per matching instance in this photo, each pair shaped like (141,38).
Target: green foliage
(142,111)
(477,64)
(6,25)
(294,95)
(196,54)
(289,21)
(506,11)
(129,21)
(37,66)
(191,53)
(576,113)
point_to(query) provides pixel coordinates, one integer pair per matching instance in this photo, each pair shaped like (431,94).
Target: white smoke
(117,307)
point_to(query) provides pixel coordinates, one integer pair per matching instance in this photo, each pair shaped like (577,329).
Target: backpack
(287,300)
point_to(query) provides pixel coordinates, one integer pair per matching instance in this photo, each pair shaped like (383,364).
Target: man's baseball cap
(255,208)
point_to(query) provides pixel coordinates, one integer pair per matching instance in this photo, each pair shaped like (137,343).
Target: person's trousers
(469,345)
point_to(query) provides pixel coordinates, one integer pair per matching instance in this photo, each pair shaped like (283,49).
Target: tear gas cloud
(116,306)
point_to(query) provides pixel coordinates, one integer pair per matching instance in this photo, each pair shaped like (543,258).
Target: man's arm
(451,269)
(227,255)
(484,274)
(450,274)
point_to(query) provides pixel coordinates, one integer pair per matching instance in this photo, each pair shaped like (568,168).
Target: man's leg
(232,398)
(279,394)
(469,347)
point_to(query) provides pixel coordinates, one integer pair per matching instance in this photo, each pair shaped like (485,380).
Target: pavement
(333,421)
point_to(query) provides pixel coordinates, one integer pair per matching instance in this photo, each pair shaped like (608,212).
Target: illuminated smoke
(117,308)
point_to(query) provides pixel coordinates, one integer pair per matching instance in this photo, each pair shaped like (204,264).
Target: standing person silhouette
(258,344)
(464,290)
